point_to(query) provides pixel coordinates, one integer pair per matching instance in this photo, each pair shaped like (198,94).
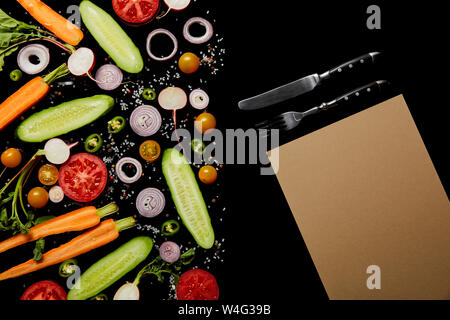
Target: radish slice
(129,291)
(109,77)
(56,194)
(81,62)
(170,35)
(176,5)
(172,98)
(199,99)
(57,151)
(33,51)
(202,39)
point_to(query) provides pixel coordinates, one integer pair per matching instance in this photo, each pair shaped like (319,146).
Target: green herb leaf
(38,249)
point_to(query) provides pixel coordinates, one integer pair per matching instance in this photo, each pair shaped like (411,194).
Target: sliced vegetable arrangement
(59,211)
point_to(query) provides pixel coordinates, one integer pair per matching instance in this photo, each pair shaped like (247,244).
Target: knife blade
(301,86)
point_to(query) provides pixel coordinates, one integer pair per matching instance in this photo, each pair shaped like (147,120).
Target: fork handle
(350,97)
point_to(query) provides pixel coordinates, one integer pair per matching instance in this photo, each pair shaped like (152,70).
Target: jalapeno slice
(15,75)
(116,124)
(93,143)
(149,94)
(100,297)
(198,146)
(67,268)
(169,228)
(150,150)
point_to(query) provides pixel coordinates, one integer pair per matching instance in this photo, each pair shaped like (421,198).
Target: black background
(271,43)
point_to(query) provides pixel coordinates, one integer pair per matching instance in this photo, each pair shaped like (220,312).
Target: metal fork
(289,120)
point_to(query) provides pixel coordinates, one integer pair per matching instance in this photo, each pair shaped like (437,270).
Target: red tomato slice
(136,11)
(197,284)
(83,177)
(44,290)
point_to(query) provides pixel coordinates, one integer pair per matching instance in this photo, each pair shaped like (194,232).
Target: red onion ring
(169,251)
(145,120)
(38,50)
(199,99)
(198,40)
(109,77)
(122,176)
(170,35)
(150,202)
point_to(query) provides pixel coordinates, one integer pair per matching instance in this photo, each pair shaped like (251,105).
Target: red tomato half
(197,284)
(135,11)
(83,177)
(44,290)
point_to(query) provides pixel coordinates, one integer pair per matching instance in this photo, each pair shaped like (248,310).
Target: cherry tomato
(150,150)
(48,174)
(205,122)
(197,284)
(44,290)
(189,62)
(37,197)
(136,11)
(11,158)
(207,174)
(83,177)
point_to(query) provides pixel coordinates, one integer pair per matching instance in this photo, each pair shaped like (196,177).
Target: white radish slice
(176,5)
(129,291)
(57,151)
(81,62)
(172,98)
(56,194)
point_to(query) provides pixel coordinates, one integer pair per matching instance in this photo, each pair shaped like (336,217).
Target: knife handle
(356,63)
(350,97)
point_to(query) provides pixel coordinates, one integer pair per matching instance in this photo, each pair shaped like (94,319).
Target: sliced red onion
(109,77)
(56,194)
(81,62)
(202,39)
(172,98)
(145,120)
(169,251)
(170,35)
(199,99)
(37,50)
(122,175)
(150,202)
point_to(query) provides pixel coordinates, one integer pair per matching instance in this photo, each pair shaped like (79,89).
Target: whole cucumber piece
(64,118)
(111,37)
(111,268)
(187,197)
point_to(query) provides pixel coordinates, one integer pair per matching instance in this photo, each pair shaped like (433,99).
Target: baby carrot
(53,21)
(77,220)
(104,233)
(28,95)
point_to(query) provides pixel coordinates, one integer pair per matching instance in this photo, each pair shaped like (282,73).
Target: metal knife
(303,85)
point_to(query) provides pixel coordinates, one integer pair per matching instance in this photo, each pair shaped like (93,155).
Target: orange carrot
(104,233)
(28,95)
(53,21)
(77,220)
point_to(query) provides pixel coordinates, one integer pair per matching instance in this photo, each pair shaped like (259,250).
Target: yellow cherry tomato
(207,174)
(189,62)
(150,150)
(205,122)
(48,174)
(11,158)
(37,197)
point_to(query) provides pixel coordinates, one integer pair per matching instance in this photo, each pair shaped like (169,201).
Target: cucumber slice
(111,268)
(111,37)
(187,197)
(66,117)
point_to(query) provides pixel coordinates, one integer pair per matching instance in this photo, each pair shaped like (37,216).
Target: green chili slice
(198,146)
(93,143)
(15,75)
(100,297)
(149,94)
(66,269)
(169,228)
(116,124)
